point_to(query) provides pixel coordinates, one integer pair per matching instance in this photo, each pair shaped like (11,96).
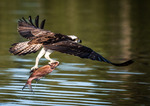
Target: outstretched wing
(28,29)
(23,48)
(72,48)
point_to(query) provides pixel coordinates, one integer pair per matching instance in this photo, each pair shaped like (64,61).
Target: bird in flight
(50,42)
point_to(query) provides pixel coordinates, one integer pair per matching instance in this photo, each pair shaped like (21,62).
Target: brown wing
(29,30)
(36,35)
(72,48)
(49,38)
(24,48)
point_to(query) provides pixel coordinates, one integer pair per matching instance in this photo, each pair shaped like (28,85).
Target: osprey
(50,41)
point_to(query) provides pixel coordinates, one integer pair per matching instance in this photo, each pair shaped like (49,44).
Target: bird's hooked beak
(79,41)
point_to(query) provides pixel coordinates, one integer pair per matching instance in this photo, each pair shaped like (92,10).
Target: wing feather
(30,20)
(42,24)
(25,28)
(24,48)
(23,19)
(72,48)
(37,21)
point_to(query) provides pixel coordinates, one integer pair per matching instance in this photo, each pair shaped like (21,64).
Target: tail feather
(24,48)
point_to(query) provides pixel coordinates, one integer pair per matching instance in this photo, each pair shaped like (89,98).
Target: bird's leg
(48,52)
(41,53)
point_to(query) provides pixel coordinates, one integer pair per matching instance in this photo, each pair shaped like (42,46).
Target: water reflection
(117,29)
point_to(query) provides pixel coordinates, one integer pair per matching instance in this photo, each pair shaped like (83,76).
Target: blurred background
(117,29)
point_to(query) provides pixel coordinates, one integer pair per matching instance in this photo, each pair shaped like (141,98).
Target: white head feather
(73,36)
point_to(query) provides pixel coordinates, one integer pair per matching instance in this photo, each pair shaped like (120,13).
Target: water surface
(118,30)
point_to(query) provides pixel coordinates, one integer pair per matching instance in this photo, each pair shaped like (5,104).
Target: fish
(40,72)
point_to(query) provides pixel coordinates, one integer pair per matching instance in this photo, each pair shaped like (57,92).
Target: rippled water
(119,30)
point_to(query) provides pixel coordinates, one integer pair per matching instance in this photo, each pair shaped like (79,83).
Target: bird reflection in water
(39,73)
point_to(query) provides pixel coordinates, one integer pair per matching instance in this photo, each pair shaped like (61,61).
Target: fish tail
(28,84)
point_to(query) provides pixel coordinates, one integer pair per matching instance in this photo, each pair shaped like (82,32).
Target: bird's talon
(53,62)
(34,68)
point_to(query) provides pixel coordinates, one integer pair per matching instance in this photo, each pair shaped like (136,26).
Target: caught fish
(37,74)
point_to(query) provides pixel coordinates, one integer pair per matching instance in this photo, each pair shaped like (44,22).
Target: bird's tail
(24,48)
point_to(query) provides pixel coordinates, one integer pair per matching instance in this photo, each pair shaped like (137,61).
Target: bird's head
(75,38)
